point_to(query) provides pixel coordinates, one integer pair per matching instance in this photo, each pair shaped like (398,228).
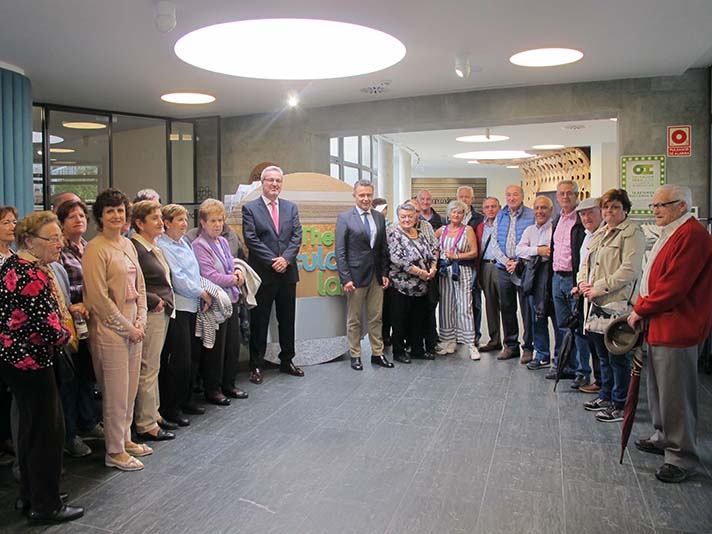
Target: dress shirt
(488,233)
(497,252)
(185,272)
(562,242)
(371,224)
(533,237)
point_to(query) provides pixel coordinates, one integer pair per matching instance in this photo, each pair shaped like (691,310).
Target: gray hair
(147,194)
(679,192)
(423,191)
(456,205)
(490,198)
(406,207)
(546,200)
(466,188)
(271,168)
(568,182)
(363,183)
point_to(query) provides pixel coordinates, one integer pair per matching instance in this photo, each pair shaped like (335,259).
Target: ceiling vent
(377,89)
(573,127)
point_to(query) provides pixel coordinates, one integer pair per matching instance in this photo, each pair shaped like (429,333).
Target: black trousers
(409,317)
(284,297)
(508,296)
(77,394)
(179,352)
(40,438)
(219,364)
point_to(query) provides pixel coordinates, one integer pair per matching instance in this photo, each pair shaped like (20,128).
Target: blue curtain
(16,141)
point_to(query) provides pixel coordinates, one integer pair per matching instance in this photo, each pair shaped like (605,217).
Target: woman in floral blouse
(412,266)
(32,334)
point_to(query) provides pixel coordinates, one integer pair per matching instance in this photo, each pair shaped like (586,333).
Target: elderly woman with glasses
(115,295)
(33,315)
(412,266)
(608,279)
(458,249)
(8,221)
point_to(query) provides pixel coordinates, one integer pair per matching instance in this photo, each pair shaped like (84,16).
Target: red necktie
(275,215)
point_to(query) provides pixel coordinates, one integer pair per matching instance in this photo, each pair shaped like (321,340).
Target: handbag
(599,316)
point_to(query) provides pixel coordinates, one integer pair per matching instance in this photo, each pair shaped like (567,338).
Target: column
(385,174)
(405,171)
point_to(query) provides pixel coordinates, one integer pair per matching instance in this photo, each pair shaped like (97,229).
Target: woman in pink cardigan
(115,295)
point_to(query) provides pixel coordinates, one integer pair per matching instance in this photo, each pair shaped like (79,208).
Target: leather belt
(489,261)
(564,273)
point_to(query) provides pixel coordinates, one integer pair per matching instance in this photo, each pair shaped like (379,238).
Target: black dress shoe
(161,435)
(167,425)
(291,369)
(490,347)
(356,364)
(256,376)
(646,445)
(402,358)
(65,513)
(235,393)
(178,419)
(193,409)
(424,356)
(672,474)
(218,399)
(382,361)
(23,506)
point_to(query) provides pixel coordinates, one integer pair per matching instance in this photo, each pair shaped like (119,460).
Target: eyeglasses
(54,239)
(663,204)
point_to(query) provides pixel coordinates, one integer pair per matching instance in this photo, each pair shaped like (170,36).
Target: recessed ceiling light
(61,150)
(188,98)
(289,49)
(546,57)
(53,139)
(548,147)
(482,138)
(512,166)
(474,162)
(292,101)
(614,119)
(84,125)
(494,154)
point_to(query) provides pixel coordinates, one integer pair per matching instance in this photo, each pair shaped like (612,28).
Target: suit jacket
(264,244)
(356,260)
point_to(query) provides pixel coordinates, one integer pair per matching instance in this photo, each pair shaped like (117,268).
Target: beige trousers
(372,297)
(147,399)
(116,365)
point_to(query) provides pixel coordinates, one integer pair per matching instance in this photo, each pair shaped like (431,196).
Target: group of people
(577,271)
(166,308)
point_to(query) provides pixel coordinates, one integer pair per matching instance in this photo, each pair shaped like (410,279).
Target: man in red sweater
(674,298)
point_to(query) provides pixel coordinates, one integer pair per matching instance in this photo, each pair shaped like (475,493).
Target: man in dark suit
(362,259)
(273,235)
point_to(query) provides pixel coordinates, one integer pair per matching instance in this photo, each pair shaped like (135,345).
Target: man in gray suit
(362,260)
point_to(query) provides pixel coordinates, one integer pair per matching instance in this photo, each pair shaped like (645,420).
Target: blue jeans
(615,372)
(540,333)
(565,307)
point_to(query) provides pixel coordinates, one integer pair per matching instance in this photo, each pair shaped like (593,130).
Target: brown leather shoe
(508,353)
(590,388)
(256,376)
(291,369)
(491,347)
(526,357)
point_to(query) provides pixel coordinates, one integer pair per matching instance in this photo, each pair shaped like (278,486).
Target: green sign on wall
(640,177)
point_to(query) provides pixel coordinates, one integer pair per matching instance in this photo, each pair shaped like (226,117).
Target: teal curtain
(16,141)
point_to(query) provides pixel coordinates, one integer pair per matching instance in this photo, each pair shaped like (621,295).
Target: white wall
(498,178)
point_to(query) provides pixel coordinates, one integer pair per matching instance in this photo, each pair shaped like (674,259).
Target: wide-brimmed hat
(620,338)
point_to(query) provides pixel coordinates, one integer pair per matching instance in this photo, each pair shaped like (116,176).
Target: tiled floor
(449,446)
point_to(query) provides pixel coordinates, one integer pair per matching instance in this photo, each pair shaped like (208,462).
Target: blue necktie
(368,226)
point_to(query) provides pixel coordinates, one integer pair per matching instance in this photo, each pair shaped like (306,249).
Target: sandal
(132,464)
(141,449)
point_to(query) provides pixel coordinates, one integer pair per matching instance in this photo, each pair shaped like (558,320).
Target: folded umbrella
(567,346)
(631,401)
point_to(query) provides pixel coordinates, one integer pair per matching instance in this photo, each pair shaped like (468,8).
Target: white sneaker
(474,353)
(440,350)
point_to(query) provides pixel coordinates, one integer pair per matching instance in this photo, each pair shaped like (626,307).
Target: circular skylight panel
(289,49)
(494,154)
(546,57)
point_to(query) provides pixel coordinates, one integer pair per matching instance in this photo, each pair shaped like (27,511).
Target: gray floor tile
(426,387)
(683,506)
(461,448)
(406,443)
(418,412)
(526,469)
(595,462)
(333,516)
(507,511)
(518,431)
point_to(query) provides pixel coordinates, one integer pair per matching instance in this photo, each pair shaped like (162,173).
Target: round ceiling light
(482,138)
(548,147)
(494,154)
(188,98)
(289,49)
(61,150)
(53,139)
(546,57)
(84,125)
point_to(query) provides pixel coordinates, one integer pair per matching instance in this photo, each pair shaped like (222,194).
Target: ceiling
(434,150)
(107,54)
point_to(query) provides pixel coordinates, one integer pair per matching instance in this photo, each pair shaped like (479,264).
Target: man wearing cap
(568,234)
(675,291)
(590,213)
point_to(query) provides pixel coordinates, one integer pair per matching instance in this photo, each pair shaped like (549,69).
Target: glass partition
(182,137)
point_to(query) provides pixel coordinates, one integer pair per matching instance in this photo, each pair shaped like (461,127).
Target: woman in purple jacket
(219,364)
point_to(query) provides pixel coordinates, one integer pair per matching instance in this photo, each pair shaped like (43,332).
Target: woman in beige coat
(608,280)
(115,295)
